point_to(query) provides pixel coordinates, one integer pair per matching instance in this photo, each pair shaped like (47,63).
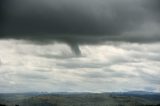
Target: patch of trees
(6,105)
(153,105)
(2,105)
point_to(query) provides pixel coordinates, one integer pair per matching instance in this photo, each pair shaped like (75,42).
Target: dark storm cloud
(78,21)
(154,6)
(69,19)
(2,14)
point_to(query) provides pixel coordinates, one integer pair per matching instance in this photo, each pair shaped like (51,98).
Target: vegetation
(84,99)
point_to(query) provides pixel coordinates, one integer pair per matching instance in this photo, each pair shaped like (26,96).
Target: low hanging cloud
(112,67)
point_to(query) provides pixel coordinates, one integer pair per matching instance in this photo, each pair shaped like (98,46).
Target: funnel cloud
(82,22)
(79,45)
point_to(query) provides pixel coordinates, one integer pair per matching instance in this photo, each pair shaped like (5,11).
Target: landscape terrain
(135,98)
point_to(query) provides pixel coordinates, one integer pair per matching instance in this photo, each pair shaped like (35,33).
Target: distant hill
(133,98)
(141,92)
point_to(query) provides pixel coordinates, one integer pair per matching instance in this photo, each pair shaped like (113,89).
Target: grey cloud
(32,76)
(153,6)
(115,67)
(71,20)
(107,74)
(51,56)
(70,17)
(78,22)
(153,79)
(148,56)
(149,89)
(72,65)
(95,75)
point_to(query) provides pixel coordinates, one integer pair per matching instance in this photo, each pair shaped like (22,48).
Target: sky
(79,45)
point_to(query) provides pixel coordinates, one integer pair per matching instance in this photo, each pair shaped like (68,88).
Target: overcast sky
(79,45)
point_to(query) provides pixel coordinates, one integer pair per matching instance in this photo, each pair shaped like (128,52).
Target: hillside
(79,99)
